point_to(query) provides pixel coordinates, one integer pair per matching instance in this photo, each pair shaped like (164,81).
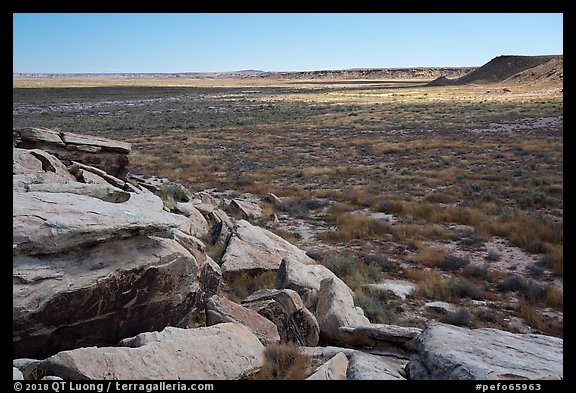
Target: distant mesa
(511,69)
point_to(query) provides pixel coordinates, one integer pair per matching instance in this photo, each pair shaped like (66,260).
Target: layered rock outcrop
(108,155)
(93,262)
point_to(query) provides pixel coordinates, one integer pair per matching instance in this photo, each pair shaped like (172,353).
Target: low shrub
(376,306)
(462,288)
(493,256)
(511,283)
(171,194)
(382,261)
(461,317)
(452,262)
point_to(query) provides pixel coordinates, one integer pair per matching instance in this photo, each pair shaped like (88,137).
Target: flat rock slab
(252,248)
(46,222)
(399,288)
(379,335)
(441,307)
(451,352)
(220,352)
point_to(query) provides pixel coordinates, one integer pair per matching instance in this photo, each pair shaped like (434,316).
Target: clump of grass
(529,233)
(476,272)
(540,322)
(295,207)
(430,256)
(356,226)
(198,320)
(554,298)
(460,317)
(433,286)
(554,257)
(407,232)
(283,361)
(243,284)
(472,240)
(430,284)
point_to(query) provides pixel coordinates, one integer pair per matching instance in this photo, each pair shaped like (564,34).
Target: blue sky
(274,42)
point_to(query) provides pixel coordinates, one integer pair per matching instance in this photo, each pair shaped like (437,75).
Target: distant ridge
(354,73)
(511,68)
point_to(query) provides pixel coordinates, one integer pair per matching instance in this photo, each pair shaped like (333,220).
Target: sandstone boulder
(196,224)
(26,366)
(272,199)
(222,226)
(252,248)
(244,209)
(210,277)
(204,208)
(284,307)
(336,309)
(304,279)
(333,369)
(183,208)
(100,294)
(17,375)
(93,262)
(451,352)
(220,310)
(205,197)
(220,352)
(37,166)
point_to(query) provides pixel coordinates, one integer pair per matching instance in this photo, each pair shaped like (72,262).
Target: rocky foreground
(108,283)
